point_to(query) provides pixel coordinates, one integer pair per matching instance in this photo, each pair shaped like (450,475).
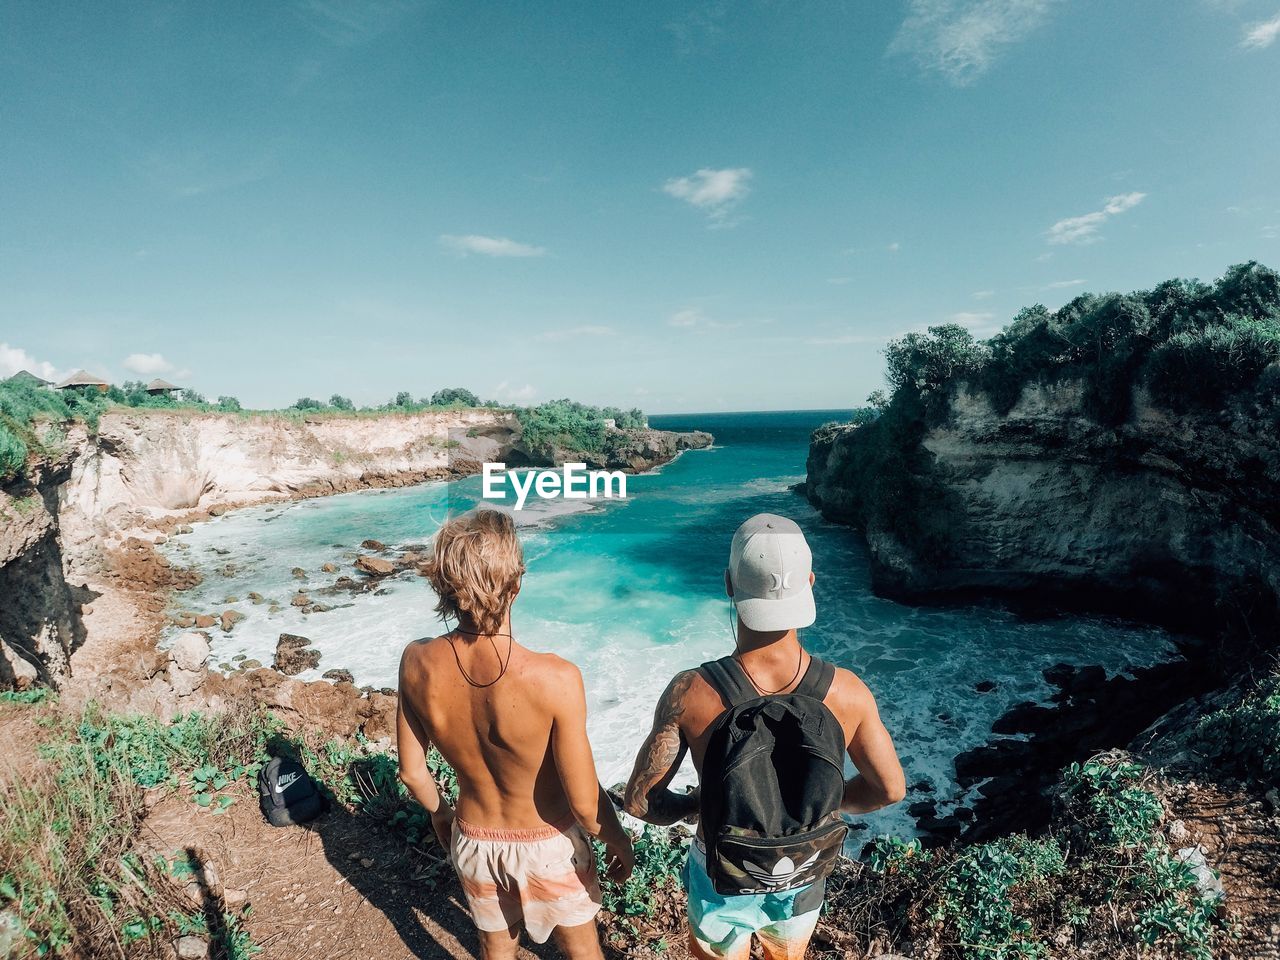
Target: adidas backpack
(772,783)
(287,794)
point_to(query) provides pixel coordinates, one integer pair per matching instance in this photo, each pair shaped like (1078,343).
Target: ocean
(632,591)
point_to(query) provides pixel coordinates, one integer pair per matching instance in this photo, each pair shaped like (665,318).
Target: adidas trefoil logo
(783,873)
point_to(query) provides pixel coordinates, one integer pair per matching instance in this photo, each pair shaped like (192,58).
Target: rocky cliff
(39,609)
(1170,518)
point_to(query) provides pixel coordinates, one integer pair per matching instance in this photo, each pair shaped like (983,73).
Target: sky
(678,206)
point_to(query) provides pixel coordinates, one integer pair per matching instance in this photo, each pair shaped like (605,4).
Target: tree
(449,396)
(306,403)
(339,402)
(403,399)
(228,404)
(923,362)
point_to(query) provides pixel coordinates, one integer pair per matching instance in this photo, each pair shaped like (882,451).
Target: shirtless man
(770,582)
(512,724)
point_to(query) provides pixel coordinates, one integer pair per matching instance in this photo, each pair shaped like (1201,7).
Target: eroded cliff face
(146,465)
(39,610)
(1167,518)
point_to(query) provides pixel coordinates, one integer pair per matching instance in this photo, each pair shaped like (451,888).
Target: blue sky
(672,205)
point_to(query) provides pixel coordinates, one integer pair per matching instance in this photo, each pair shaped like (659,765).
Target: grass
(69,871)
(1105,875)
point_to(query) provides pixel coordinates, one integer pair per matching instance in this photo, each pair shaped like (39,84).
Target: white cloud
(147,364)
(961,39)
(716,192)
(504,392)
(1084,229)
(894,247)
(1261,35)
(490,246)
(574,333)
(983,294)
(688,317)
(1063,284)
(15,359)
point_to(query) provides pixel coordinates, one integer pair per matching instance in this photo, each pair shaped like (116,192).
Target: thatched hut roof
(82,378)
(29,379)
(161,386)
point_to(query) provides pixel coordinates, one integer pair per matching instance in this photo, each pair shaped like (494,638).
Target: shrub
(454,396)
(1244,737)
(1196,346)
(1200,369)
(229,405)
(566,424)
(307,403)
(339,402)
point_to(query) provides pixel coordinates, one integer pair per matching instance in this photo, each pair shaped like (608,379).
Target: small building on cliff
(158,388)
(25,378)
(81,379)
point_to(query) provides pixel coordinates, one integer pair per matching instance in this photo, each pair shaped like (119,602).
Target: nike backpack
(287,794)
(772,783)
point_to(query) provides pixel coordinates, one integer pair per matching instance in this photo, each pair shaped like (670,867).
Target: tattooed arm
(648,797)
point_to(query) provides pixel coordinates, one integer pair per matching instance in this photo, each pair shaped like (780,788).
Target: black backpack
(287,794)
(772,783)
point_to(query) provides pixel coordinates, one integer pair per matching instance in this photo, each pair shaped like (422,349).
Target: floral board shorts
(721,926)
(544,877)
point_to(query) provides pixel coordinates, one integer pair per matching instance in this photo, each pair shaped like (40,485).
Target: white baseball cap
(769,567)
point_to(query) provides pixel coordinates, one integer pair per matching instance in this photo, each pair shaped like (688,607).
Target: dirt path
(1240,835)
(339,888)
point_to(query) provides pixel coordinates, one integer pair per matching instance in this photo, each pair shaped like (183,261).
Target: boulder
(229,619)
(375,545)
(189,652)
(205,621)
(329,567)
(188,664)
(301,600)
(294,655)
(339,674)
(375,566)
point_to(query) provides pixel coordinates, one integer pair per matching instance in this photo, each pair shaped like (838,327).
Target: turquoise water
(632,591)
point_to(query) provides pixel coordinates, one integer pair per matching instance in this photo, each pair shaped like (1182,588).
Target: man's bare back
(498,738)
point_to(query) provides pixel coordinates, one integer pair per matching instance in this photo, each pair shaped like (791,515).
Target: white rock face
(147,464)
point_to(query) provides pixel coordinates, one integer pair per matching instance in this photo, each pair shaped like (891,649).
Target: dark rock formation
(294,654)
(1168,518)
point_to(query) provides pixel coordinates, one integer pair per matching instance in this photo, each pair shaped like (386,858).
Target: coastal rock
(229,618)
(339,674)
(294,654)
(1167,518)
(377,546)
(375,566)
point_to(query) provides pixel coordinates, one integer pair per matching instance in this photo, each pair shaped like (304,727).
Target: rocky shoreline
(79,538)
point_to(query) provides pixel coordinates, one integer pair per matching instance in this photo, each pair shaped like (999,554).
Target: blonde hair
(475,567)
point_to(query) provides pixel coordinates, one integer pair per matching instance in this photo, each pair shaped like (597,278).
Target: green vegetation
(1107,875)
(569,425)
(69,872)
(30,697)
(1193,345)
(1244,737)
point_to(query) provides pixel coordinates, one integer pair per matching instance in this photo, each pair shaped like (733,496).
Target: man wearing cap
(770,583)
